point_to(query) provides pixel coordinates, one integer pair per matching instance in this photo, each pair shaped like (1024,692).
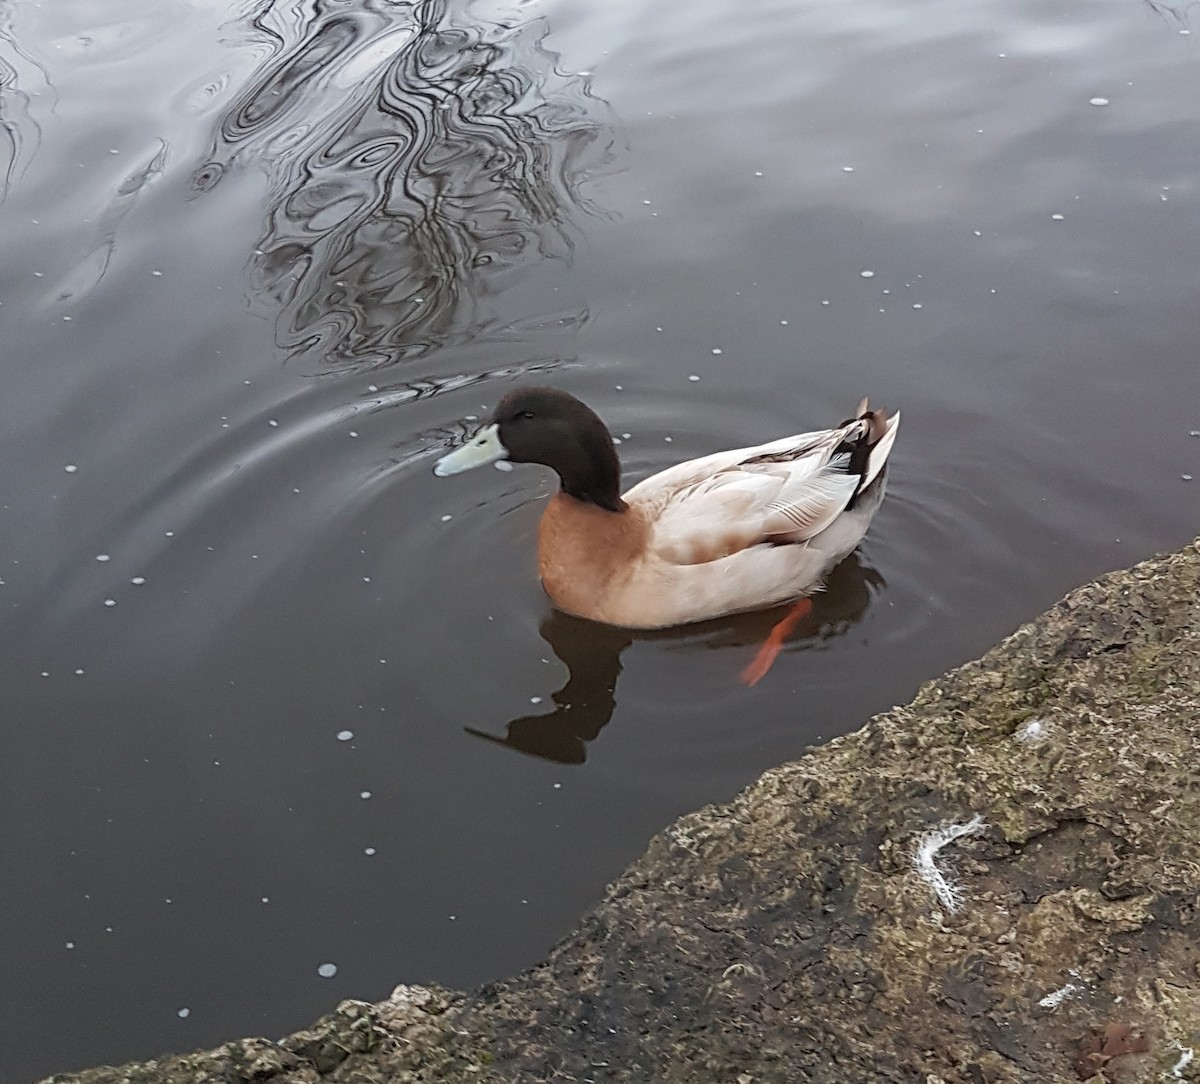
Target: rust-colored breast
(586,554)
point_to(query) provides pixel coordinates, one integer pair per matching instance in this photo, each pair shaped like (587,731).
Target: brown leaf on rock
(1102,1045)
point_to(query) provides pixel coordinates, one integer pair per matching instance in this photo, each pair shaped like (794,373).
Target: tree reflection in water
(20,134)
(415,166)
(592,655)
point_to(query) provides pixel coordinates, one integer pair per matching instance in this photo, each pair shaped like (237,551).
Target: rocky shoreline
(996,883)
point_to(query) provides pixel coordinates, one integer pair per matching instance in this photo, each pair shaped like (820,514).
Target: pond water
(286,718)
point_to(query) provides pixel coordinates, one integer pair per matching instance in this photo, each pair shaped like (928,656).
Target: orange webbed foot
(772,645)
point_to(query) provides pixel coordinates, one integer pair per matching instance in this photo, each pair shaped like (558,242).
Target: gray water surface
(260,263)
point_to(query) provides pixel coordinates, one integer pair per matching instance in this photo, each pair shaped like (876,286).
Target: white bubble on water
(1098,101)
(103,557)
(327,971)
(70,468)
(345,735)
(867,274)
(183,1013)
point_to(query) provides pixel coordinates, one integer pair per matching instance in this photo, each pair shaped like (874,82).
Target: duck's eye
(527,414)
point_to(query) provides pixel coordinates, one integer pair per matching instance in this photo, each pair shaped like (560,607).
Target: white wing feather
(788,490)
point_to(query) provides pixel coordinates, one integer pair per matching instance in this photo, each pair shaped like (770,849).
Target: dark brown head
(551,427)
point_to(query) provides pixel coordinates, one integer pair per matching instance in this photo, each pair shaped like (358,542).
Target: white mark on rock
(1186,1054)
(1056,997)
(948,895)
(1033,731)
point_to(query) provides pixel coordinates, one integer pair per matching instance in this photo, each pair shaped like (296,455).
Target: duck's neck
(589,471)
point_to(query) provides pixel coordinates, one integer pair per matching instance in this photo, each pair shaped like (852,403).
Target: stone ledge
(996,883)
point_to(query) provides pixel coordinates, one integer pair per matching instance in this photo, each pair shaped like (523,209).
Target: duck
(738,530)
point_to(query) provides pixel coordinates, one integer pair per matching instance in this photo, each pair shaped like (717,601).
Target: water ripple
(414,165)
(20,134)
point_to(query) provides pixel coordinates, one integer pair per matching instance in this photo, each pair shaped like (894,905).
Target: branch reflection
(20,134)
(415,166)
(592,655)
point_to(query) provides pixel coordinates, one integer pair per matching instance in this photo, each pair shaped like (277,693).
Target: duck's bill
(479,451)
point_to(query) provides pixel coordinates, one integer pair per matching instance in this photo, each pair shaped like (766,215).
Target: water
(286,719)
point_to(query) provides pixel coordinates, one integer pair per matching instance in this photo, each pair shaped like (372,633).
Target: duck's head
(551,427)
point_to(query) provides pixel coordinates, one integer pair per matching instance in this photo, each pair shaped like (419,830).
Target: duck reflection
(592,655)
(416,165)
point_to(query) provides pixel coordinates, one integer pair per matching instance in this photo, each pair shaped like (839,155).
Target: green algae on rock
(797,934)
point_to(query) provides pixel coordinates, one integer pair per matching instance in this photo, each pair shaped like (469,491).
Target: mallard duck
(737,530)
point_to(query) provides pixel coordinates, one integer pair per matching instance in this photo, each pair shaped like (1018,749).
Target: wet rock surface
(996,883)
